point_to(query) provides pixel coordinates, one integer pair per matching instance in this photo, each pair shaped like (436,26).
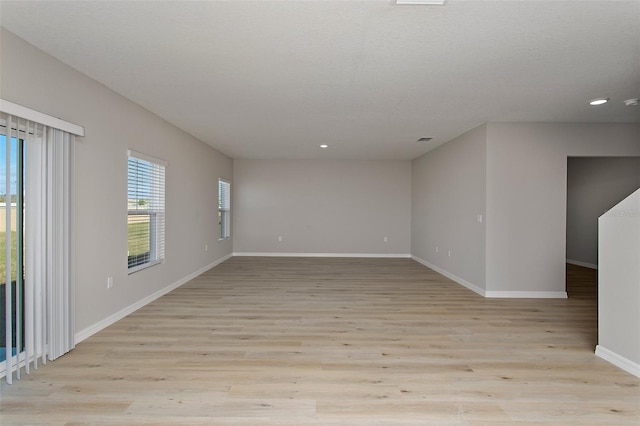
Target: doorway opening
(594,185)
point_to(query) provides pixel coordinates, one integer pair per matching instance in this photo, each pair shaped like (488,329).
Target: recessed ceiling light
(420,2)
(324,146)
(598,101)
(424,139)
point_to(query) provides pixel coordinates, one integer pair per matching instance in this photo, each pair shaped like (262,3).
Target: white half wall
(619,285)
(527,197)
(113,124)
(321,206)
(594,185)
(448,208)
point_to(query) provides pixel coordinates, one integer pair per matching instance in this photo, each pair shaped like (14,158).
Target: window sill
(144,266)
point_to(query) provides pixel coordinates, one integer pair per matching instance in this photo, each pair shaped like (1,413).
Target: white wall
(113,124)
(619,285)
(594,185)
(448,194)
(320,206)
(526,198)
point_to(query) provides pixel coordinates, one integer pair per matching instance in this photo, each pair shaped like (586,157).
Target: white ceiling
(275,79)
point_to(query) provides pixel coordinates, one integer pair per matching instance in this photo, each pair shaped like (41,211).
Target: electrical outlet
(479,218)
(437,249)
(279,238)
(206,247)
(386,239)
(449,253)
(109,283)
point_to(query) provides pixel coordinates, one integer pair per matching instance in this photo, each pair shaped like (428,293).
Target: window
(12,241)
(145,219)
(224,209)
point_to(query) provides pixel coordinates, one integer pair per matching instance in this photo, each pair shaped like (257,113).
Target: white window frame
(155,209)
(224,210)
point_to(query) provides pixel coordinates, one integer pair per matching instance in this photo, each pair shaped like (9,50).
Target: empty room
(306,212)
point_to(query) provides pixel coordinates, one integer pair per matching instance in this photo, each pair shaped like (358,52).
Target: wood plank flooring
(309,341)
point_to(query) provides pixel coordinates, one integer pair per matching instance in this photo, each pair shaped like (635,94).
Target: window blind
(37,280)
(146,211)
(224,209)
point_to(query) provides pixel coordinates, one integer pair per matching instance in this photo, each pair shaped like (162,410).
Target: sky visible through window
(3,165)
(140,187)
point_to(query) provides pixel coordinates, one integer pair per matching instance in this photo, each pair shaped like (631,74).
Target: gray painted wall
(113,124)
(320,206)
(517,174)
(594,185)
(448,194)
(619,285)
(527,196)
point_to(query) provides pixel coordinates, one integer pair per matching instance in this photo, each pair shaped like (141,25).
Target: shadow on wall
(594,185)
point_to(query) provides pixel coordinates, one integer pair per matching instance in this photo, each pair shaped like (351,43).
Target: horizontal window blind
(146,211)
(224,209)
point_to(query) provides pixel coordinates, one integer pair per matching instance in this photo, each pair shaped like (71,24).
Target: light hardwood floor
(297,341)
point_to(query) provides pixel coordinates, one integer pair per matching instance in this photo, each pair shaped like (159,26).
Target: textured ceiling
(275,79)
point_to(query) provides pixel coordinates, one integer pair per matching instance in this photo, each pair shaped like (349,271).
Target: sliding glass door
(37,322)
(11,245)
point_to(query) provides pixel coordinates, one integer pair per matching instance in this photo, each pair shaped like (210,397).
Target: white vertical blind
(39,315)
(146,211)
(43,119)
(59,244)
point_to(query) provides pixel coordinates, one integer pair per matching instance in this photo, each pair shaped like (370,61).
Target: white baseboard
(449,275)
(618,360)
(92,329)
(269,254)
(526,294)
(494,294)
(580,263)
